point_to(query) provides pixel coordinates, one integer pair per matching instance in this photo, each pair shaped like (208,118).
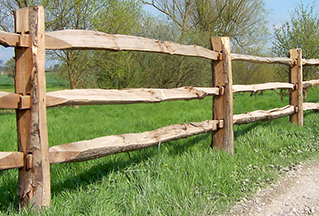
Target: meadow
(184,177)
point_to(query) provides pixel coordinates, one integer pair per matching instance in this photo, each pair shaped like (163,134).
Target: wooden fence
(30,99)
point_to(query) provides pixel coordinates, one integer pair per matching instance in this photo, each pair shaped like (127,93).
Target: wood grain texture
(9,100)
(100,147)
(223,138)
(126,96)
(296,95)
(262,87)
(9,39)
(310,62)
(263,115)
(23,87)
(258,59)
(86,39)
(11,160)
(38,139)
(34,180)
(310,106)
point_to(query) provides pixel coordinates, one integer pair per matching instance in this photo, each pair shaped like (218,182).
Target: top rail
(271,60)
(86,39)
(258,59)
(310,62)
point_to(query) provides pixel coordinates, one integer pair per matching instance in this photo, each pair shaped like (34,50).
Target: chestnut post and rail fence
(30,99)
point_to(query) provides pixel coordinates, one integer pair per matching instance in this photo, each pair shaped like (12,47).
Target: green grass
(52,83)
(184,177)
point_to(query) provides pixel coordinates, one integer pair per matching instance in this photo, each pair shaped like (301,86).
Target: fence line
(30,99)
(85,39)
(100,147)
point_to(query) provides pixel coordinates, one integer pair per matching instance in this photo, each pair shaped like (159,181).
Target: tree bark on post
(296,95)
(34,178)
(223,138)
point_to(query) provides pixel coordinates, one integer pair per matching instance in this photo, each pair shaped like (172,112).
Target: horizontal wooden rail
(85,39)
(310,106)
(127,96)
(271,60)
(263,115)
(9,39)
(9,100)
(258,59)
(262,87)
(312,62)
(11,160)
(131,96)
(100,147)
(310,83)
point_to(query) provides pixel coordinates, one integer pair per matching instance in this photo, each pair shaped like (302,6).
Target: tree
(243,20)
(110,16)
(117,69)
(302,31)
(195,21)
(9,67)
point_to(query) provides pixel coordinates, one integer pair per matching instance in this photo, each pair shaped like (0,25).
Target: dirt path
(297,193)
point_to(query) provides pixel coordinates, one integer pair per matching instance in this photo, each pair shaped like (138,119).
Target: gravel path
(297,193)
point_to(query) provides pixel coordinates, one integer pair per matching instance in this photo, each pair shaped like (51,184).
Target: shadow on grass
(244,128)
(97,172)
(8,191)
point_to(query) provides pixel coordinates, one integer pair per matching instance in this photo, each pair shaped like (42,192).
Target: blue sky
(278,14)
(279,9)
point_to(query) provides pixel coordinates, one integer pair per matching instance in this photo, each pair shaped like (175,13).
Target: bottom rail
(11,160)
(263,115)
(103,146)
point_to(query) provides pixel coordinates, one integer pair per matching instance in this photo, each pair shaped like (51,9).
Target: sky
(278,14)
(279,10)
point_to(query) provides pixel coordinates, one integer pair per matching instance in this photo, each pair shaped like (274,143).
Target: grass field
(52,81)
(184,177)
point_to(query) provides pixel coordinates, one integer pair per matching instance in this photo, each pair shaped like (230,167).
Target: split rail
(30,99)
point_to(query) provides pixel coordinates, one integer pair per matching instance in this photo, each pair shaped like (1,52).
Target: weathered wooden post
(223,138)
(296,95)
(34,177)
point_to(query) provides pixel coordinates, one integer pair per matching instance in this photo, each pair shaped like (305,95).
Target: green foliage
(302,31)
(9,67)
(6,81)
(184,21)
(194,22)
(243,20)
(183,177)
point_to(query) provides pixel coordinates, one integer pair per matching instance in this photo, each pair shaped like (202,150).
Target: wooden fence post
(34,178)
(296,95)
(223,138)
